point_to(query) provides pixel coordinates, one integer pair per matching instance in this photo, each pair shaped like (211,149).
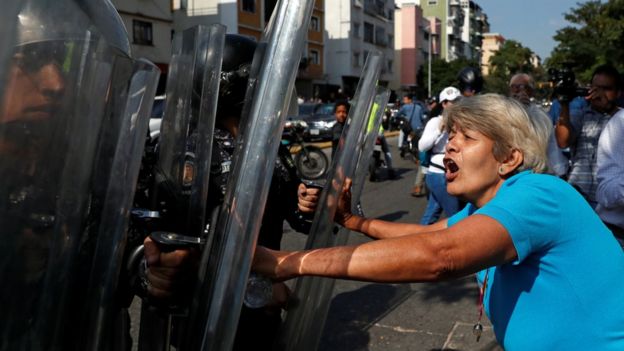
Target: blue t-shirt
(414,114)
(565,291)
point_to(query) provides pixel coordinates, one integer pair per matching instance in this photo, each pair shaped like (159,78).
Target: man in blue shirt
(413,113)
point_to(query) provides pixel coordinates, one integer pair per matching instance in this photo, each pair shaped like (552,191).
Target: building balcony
(377,8)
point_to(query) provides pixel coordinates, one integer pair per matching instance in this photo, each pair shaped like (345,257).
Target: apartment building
(353,29)
(451,16)
(149,25)
(249,17)
(417,42)
(492,42)
(475,24)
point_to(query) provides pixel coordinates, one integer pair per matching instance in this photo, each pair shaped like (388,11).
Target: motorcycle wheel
(312,163)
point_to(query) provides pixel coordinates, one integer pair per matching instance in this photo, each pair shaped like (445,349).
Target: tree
(512,58)
(597,37)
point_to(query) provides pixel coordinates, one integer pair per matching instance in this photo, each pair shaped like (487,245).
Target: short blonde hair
(507,123)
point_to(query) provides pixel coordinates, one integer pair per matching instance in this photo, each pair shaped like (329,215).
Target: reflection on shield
(65,106)
(304,321)
(227,263)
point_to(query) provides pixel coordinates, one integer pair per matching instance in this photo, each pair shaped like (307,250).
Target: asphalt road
(371,316)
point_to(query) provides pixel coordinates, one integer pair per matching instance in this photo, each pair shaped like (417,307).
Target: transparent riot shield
(364,157)
(305,318)
(65,84)
(128,142)
(8,24)
(225,267)
(188,125)
(179,187)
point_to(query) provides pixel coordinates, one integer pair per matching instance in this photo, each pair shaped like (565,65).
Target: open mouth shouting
(451,169)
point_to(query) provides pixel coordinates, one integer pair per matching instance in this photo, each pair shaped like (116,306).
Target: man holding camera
(581,129)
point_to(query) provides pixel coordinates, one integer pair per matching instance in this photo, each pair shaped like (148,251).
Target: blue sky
(531,22)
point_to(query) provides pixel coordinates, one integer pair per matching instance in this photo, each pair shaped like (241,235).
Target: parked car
(158,110)
(320,122)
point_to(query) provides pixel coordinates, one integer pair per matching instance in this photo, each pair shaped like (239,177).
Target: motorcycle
(409,149)
(311,161)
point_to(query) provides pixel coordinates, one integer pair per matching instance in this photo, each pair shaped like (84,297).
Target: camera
(564,83)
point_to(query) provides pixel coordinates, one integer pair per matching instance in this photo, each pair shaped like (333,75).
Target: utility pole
(429,65)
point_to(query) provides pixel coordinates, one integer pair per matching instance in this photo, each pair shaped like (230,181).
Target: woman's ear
(511,163)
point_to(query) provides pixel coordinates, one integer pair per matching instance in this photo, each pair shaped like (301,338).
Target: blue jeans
(438,199)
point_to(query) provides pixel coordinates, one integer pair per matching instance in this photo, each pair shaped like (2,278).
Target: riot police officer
(61,121)
(470,81)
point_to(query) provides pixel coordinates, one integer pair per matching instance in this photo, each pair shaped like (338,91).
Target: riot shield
(364,157)
(225,267)
(179,179)
(63,91)
(188,125)
(305,318)
(120,187)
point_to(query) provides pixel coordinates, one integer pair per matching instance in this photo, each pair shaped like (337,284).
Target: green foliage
(596,37)
(512,58)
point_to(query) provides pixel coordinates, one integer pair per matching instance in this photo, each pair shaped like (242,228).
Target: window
(390,66)
(356,59)
(315,58)
(315,24)
(142,32)
(369,32)
(356,30)
(390,40)
(249,6)
(380,36)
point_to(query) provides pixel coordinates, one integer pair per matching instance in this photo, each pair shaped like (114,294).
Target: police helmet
(45,21)
(238,53)
(470,79)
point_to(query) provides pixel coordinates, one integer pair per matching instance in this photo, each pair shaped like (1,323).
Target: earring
(501,170)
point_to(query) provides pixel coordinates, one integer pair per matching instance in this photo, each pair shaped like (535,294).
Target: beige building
(492,42)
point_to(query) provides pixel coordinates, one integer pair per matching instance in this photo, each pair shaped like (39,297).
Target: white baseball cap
(449,94)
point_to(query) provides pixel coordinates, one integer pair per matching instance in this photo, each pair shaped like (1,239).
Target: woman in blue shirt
(552,271)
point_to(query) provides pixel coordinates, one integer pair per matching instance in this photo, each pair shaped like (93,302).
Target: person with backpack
(433,141)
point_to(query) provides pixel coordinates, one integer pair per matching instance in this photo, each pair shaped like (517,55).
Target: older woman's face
(472,172)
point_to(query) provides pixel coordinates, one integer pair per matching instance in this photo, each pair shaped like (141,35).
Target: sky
(533,23)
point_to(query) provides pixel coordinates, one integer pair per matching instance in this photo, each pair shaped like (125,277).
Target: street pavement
(423,316)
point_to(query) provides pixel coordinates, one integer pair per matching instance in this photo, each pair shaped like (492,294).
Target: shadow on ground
(361,309)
